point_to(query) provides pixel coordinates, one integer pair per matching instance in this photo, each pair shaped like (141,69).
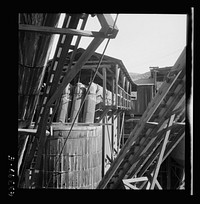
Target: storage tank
(79,165)
(90,105)
(65,105)
(34,49)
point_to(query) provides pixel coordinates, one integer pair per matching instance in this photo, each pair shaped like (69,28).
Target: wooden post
(160,158)
(155,80)
(121,130)
(112,133)
(116,83)
(118,130)
(103,127)
(168,160)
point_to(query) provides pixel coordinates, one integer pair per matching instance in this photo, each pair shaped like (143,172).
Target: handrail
(124,98)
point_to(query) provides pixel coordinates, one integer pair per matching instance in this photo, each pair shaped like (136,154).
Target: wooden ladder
(145,142)
(54,79)
(59,77)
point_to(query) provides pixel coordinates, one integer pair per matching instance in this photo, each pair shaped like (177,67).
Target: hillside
(136,76)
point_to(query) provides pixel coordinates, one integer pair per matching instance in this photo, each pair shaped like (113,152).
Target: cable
(81,106)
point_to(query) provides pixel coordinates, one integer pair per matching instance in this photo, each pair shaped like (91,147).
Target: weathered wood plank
(69,31)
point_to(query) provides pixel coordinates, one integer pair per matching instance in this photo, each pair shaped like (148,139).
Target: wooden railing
(123,99)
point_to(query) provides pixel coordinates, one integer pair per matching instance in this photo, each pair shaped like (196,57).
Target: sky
(143,40)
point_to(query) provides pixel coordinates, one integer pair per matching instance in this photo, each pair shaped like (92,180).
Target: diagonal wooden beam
(160,158)
(105,111)
(127,182)
(122,126)
(71,73)
(69,31)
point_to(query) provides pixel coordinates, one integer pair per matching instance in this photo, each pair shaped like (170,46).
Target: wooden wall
(144,96)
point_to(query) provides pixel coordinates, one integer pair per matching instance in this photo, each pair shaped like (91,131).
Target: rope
(81,106)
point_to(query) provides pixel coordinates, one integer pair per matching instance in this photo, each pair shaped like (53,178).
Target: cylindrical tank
(34,49)
(80,163)
(90,104)
(77,99)
(63,109)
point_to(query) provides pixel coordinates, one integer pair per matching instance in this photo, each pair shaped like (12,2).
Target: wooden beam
(71,73)
(107,21)
(103,128)
(94,66)
(69,31)
(144,178)
(30,131)
(116,83)
(81,124)
(109,139)
(104,85)
(101,76)
(160,158)
(179,123)
(77,67)
(121,131)
(127,182)
(151,124)
(105,111)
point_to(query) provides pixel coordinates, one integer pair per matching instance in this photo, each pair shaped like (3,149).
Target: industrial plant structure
(83,123)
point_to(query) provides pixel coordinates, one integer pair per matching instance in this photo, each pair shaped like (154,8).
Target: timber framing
(55,87)
(145,141)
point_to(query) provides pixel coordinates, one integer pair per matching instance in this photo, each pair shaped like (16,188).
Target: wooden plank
(107,22)
(30,131)
(127,182)
(132,180)
(69,76)
(91,66)
(69,31)
(160,158)
(121,131)
(116,83)
(103,128)
(104,86)
(151,124)
(72,72)
(145,118)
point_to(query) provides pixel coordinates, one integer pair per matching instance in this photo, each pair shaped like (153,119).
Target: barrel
(80,163)
(90,105)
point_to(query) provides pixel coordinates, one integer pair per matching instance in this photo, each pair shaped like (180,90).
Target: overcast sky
(143,40)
